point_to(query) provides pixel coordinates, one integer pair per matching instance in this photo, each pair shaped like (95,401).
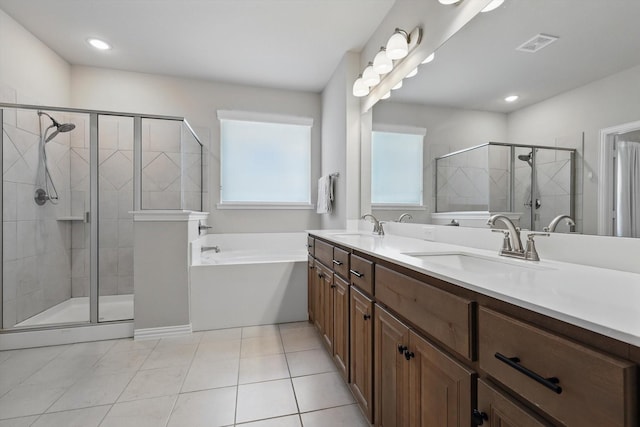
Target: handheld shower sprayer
(60,127)
(49,191)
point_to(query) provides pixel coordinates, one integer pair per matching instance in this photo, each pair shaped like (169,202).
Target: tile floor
(261,376)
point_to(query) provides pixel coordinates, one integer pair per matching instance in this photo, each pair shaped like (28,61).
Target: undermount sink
(477,264)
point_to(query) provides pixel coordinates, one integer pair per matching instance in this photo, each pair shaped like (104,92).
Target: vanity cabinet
(417,384)
(418,351)
(311,289)
(361,350)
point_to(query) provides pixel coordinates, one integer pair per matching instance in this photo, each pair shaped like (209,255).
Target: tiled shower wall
(36,239)
(463,182)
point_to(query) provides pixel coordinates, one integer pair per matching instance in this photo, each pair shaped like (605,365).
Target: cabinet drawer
(500,410)
(572,383)
(310,245)
(361,272)
(324,253)
(341,262)
(444,316)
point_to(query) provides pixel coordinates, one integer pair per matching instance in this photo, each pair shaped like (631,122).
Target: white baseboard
(59,336)
(161,332)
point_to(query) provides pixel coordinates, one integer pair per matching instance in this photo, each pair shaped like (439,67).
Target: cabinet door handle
(402,348)
(333,286)
(311,267)
(320,275)
(408,355)
(367,316)
(551,383)
(478,417)
(336,262)
(356,273)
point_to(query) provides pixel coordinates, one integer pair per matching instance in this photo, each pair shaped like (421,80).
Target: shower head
(526,158)
(60,127)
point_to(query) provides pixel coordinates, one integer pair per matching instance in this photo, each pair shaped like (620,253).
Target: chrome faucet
(512,245)
(555,221)
(514,232)
(377,225)
(216,249)
(403,216)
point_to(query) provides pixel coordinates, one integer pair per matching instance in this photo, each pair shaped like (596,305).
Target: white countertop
(597,299)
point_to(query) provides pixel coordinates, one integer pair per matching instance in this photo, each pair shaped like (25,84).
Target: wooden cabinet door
(497,410)
(341,325)
(391,370)
(311,281)
(318,296)
(325,284)
(439,387)
(361,326)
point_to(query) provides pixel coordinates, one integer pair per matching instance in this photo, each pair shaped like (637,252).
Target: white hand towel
(325,195)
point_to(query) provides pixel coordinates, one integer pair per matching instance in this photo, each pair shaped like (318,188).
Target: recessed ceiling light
(99,44)
(511,98)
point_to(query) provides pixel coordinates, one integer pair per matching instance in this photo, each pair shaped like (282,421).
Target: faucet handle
(530,252)
(506,242)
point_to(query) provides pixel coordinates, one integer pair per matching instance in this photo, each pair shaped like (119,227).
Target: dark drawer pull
(514,362)
(367,316)
(336,262)
(402,348)
(356,273)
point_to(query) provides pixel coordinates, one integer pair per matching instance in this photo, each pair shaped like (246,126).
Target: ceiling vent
(536,43)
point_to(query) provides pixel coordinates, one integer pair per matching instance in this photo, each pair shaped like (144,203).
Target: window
(396,166)
(265,160)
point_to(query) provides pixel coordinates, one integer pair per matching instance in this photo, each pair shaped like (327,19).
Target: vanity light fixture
(511,98)
(493,5)
(99,44)
(398,44)
(369,76)
(386,95)
(449,1)
(386,63)
(381,62)
(359,88)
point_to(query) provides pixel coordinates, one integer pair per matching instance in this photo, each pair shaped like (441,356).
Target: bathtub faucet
(210,248)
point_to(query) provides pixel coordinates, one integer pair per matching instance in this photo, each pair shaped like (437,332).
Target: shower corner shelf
(70,218)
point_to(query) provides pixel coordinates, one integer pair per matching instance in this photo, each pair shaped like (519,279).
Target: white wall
(198,101)
(448,130)
(341,140)
(600,104)
(30,72)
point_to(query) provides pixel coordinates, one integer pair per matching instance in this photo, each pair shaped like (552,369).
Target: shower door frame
(94,197)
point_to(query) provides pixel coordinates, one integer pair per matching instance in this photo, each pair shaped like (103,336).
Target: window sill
(394,207)
(265,206)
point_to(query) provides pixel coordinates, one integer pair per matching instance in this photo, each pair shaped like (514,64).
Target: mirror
(586,79)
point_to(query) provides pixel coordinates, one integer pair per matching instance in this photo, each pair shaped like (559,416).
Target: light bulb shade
(398,86)
(381,63)
(386,95)
(448,1)
(429,58)
(412,73)
(359,88)
(369,76)
(398,46)
(493,5)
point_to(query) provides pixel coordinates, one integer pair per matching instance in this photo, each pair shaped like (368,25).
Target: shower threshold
(76,310)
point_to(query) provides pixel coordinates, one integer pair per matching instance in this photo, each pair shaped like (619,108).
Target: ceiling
(479,66)
(287,44)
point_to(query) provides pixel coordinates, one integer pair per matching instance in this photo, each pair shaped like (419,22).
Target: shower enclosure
(71,180)
(534,183)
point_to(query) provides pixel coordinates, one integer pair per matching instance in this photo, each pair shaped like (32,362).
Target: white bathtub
(255,279)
